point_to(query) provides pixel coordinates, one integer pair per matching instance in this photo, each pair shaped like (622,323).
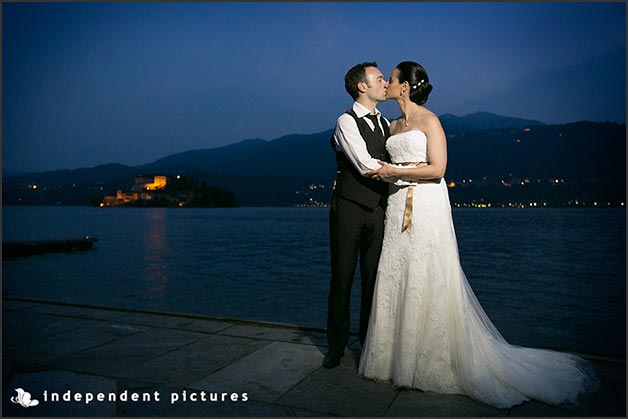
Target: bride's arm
(436,158)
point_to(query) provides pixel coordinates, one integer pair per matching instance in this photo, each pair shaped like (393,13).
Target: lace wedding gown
(427,329)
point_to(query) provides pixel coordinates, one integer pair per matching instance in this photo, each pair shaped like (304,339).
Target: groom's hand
(387,171)
(383,173)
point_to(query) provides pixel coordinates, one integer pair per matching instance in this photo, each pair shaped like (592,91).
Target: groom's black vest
(350,184)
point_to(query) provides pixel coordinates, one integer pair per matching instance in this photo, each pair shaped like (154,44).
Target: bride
(427,329)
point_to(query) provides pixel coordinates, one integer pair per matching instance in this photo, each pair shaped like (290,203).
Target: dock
(150,363)
(36,247)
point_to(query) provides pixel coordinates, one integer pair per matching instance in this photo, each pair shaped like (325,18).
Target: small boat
(37,247)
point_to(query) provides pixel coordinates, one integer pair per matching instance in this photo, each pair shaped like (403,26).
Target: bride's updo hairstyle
(416,76)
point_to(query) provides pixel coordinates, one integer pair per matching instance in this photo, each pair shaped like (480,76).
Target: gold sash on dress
(407,213)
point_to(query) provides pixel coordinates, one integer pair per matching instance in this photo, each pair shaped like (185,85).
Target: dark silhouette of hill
(588,158)
(200,158)
(289,156)
(478,121)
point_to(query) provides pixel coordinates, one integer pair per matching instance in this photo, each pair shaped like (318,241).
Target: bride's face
(394,87)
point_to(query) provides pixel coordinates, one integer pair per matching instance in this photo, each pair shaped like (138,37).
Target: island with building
(170,191)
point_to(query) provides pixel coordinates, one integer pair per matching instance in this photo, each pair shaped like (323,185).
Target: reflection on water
(156,244)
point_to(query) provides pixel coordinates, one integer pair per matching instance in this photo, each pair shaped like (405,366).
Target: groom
(356,219)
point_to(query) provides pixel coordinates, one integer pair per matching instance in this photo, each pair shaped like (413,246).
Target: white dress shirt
(348,139)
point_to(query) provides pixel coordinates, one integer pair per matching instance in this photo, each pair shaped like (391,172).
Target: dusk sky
(85,84)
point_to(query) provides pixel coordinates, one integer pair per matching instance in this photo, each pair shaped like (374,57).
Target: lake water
(552,278)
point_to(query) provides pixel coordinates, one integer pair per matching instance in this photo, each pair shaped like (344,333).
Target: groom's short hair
(355,75)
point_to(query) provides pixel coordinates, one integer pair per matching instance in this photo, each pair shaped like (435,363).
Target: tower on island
(149,183)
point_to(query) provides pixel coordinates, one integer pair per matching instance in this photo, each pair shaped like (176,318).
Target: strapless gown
(427,329)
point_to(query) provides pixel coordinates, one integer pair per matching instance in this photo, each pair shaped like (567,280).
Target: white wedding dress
(427,329)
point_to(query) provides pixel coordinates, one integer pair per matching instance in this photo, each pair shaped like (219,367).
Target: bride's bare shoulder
(429,123)
(426,113)
(429,118)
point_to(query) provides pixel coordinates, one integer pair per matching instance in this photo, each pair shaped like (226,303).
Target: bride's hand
(383,173)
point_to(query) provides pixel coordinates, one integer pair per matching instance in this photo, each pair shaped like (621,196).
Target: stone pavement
(166,364)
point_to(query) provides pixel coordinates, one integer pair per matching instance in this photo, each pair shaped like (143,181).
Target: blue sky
(92,83)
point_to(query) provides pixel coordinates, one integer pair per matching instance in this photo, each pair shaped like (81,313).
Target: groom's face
(376,83)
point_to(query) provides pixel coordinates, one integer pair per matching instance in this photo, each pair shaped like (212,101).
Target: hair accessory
(418,84)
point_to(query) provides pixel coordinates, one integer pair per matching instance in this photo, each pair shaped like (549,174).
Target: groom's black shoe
(332,360)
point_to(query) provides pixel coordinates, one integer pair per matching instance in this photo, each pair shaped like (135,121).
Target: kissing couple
(421,326)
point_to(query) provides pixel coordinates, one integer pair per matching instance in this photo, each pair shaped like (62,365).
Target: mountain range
(493,150)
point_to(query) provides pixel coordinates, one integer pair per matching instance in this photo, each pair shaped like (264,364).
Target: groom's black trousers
(354,230)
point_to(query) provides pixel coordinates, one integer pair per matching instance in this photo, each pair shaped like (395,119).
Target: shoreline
(248,322)
(87,361)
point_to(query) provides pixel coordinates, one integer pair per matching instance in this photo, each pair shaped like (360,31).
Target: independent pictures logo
(24,398)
